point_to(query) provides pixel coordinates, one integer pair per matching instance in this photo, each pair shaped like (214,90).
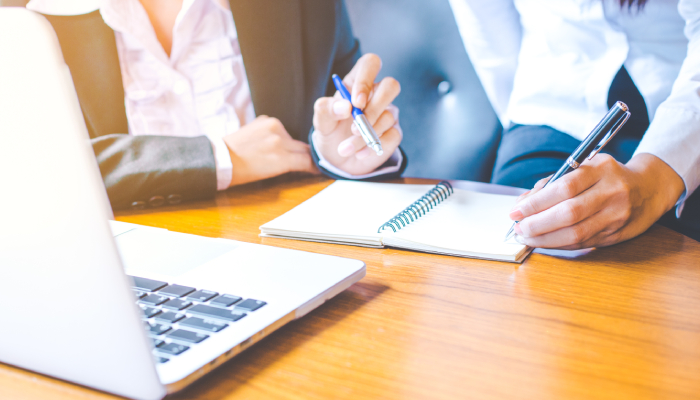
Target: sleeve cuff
(674,137)
(224,167)
(392,165)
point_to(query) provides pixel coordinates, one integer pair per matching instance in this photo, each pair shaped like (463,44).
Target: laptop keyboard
(179,317)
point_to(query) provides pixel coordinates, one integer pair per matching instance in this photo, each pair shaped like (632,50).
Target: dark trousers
(529,153)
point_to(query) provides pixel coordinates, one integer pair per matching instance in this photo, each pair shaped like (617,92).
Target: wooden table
(617,323)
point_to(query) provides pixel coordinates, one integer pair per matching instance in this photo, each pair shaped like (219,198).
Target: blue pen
(366,131)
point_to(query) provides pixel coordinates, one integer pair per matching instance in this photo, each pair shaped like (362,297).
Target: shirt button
(156,201)
(180,87)
(138,205)
(174,199)
(444,87)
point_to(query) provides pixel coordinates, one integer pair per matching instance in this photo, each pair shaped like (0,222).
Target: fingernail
(364,153)
(346,148)
(360,100)
(516,214)
(517,230)
(340,107)
(519,239)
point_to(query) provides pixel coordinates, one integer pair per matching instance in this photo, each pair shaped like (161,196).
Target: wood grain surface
(616,323)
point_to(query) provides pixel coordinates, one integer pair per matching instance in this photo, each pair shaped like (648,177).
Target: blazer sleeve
(150,171)
(346,55)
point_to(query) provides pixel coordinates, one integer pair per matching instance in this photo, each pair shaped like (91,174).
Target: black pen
(591,145)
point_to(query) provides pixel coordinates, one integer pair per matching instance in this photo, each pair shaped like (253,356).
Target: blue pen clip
(366,131)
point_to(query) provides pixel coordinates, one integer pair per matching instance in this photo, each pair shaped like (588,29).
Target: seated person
(551,70)
(182,98)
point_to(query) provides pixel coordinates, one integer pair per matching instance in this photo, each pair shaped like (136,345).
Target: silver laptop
(136,311)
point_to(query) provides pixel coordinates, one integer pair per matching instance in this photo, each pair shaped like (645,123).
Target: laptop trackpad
(167,253)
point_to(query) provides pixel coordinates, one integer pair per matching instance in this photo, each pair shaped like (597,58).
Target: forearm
(143,171)
(674,133)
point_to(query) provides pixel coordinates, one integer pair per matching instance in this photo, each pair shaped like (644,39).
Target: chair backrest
(450,128)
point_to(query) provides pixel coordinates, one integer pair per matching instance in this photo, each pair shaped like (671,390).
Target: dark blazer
(290,49)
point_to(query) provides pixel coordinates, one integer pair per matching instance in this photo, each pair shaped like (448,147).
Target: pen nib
(510,233)
(378,149)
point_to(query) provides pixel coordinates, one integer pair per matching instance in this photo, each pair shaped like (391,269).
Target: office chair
(450,129)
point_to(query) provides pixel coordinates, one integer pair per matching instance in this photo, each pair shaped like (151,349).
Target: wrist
(662,182)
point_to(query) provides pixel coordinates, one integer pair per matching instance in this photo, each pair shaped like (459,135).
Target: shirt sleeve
(224,167)
(392,165)
(492,33)
(674,133)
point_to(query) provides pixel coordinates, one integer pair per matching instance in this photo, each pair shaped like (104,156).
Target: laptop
(131,310)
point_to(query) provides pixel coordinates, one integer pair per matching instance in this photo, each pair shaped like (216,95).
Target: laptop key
(157,342)
(187,336)
(215,312)
(162,360)
(177,304)
(250,305)
(177,290)
(148,285)
(173,349)
(154,299)
(158,329)
(205,325)
(202,295)
(170,317)
(225,300)
(149,312)
(139,294)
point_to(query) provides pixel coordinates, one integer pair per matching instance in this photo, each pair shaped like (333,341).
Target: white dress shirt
(200,89)
(551,62)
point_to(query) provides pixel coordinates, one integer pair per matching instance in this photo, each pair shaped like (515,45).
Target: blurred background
(450,128)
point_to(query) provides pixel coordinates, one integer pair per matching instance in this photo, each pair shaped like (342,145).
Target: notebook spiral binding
(420,207)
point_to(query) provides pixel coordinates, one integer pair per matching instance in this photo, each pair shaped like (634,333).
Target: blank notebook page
(466,222)
(347,209)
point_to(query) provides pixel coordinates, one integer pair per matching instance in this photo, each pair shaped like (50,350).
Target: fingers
(383,95)
(390,141)
(590,232)
(301,162)
(565,188)
(355,143)
(295,146)
(566,213)
(361,78)
(328,112)
(273,125)
(538,186)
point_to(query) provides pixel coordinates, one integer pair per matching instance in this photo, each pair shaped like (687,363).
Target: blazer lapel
(270,36)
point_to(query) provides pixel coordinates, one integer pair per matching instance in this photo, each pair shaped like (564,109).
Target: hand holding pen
(599,203)
(355,130)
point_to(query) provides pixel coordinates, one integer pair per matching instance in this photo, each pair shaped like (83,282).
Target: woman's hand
(335,135)
(263,149)
(602,203)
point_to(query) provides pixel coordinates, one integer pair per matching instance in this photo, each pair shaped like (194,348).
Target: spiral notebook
(428,218)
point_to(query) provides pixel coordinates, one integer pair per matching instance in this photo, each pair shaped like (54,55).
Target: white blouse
(551,62)
(201,89)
